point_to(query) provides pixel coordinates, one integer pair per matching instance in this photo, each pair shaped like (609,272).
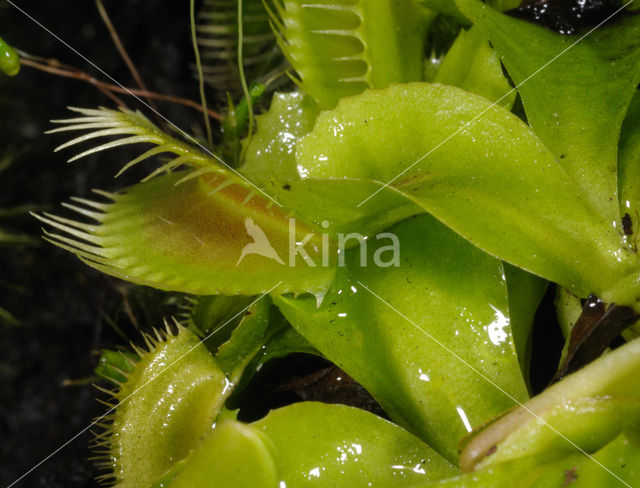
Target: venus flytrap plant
(424,367)
(601,388)
(218,40)
(184,386)
(137,447)
(538,222)
(123,122)
(441,341)
(340,49)
(581,124)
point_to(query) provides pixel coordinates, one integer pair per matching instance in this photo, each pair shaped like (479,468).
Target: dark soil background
(66,311)
(65,308)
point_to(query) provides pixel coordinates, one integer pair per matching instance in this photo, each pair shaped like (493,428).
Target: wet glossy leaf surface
(168,402)
(459,299)
(576,91)
(271,151)
(629,171)
(618,460)
(234,455)
(322,445)
(577,405)
(260,322)
(478,169)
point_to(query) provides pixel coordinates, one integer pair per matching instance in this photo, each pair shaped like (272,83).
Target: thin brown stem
(54,67)
(121,49)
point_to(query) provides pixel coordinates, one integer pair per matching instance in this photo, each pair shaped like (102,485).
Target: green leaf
(457,295)
(473,65)
(525,293)
(181,389)
(575,101)
(270,153)
(339,49)
(481,171)
(332,204)
(618,460)
(169,400)
(447,8)
(568,310)
(260,322)
(284,342)
(189,237)
(218,41)
(629,171)
(234,455)
(588,423)
(317,444)
(580,406)
(244,335)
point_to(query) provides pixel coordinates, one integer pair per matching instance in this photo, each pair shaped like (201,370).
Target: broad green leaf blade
(575,91)
(270,154)
(332,204)
(525,293)
(234,455)
(629,172)
(481,171)
(270,162)
(317,444)
(339,49)
(473,65)
(204,236)
(613,375)
(618,460)
(457,295)
(168,402)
